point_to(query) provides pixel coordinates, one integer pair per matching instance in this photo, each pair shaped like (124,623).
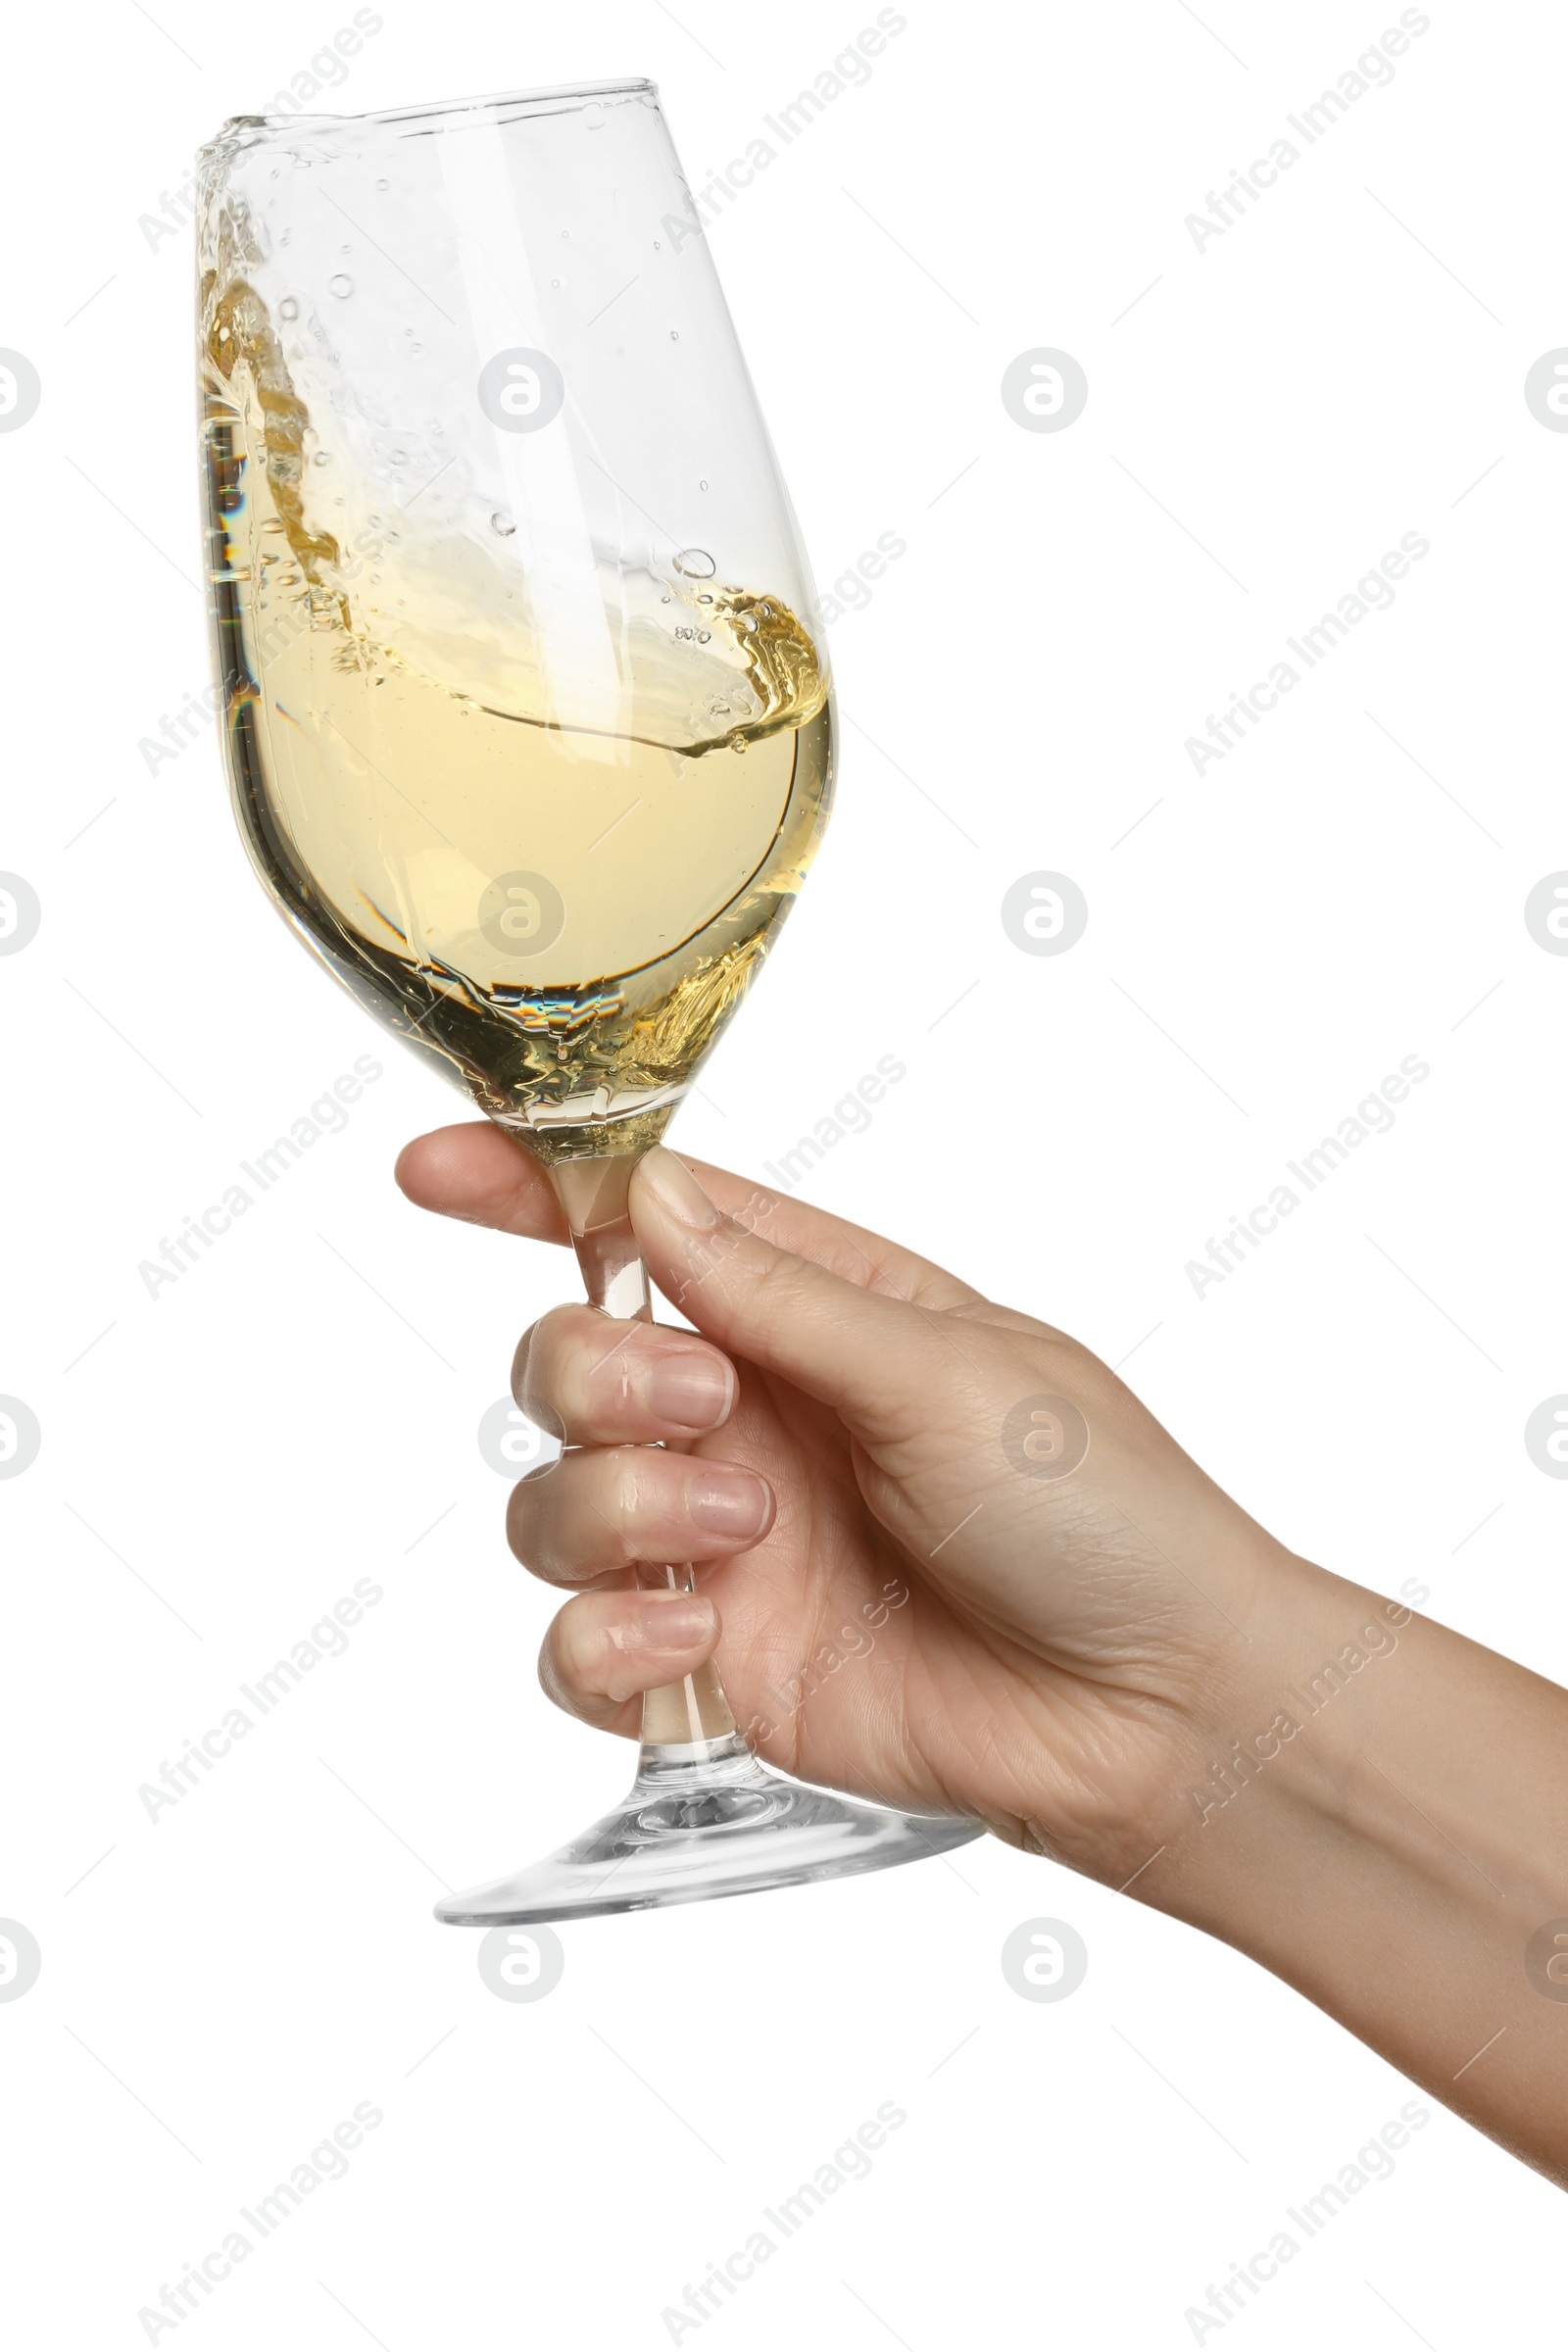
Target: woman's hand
(947,1559)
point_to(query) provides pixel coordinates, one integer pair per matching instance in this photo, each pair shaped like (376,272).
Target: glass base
(701,1822)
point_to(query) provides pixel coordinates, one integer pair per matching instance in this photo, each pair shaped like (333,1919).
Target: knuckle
(520,1366)
(608,1375)
(773,1279)
(1075,1368)
(524,1532)
(538,1532)
(539,1353)
(628,1493)
(575,1640)
(580,1525)
(553,1653)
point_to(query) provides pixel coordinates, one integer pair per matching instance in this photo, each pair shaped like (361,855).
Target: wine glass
(528,735)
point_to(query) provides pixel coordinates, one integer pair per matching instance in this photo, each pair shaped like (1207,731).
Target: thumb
(872,1358)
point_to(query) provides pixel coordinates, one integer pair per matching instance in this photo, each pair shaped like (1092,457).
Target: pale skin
(1099,1666)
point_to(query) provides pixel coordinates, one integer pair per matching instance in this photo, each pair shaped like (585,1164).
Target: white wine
(544,834)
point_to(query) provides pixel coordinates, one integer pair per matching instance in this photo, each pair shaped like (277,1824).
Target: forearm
(1392,1837)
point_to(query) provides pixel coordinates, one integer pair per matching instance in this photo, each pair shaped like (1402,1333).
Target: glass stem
(693,1714)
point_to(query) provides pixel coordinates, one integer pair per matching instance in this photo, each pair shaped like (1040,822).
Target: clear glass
(527,721)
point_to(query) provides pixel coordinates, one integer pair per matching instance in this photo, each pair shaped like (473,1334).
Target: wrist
(1290,1725)
(1403,1839)
(1273,1731)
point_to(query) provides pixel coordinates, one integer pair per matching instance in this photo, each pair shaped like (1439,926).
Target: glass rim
(526,102)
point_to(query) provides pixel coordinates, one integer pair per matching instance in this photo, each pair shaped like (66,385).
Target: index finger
(475,1172)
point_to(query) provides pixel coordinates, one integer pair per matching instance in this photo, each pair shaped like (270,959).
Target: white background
(220,1464)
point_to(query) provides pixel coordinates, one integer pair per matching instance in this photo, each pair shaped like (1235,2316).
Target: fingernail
(734,1503)
(693,1391)
(676,1189)
(671,1622)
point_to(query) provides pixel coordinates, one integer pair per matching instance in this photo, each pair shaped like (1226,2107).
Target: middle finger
(600,1511)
